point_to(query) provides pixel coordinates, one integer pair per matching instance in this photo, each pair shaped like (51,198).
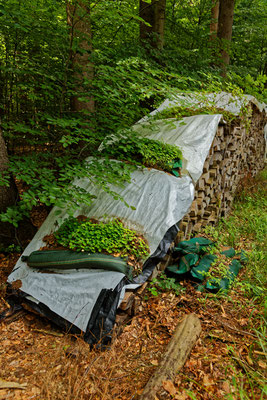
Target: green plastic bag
(190,252)
(184,264)
(224,283)
(196,245)
(229,253)
(175,165)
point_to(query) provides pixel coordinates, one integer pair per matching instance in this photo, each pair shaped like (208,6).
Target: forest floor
(229,360)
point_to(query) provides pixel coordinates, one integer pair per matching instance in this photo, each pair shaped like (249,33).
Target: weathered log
(178,349)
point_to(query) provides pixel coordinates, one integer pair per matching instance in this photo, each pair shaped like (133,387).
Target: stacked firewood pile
(236,152)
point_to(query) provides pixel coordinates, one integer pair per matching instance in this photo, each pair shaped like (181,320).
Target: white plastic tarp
(160,201)
(223,100)
(71,294)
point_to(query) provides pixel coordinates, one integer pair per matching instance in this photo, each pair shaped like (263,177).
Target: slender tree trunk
(7,194)
(159,22)
(78,19)
(214,19)
(225,26)
(154,14)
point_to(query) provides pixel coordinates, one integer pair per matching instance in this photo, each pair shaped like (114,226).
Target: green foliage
(96,237)
(247,228)
(248,220)
(151,153)
(255,86)
(38,84)
(10,249)
(249,38)
(163,283)
(219,270)
(50,181)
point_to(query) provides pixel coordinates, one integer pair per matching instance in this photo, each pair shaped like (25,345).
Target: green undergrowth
(163,283)
(147,152)
(94,236)
(246,228)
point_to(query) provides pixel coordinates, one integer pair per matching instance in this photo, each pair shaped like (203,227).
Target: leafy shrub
(50,182)
(94,236)
(148,152)
(163,283)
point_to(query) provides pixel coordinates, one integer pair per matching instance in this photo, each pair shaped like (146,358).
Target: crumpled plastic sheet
(160,201)
(72,294)
(223,100)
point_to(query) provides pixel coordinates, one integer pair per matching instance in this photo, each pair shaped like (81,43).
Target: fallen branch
(52,333)
(178,349)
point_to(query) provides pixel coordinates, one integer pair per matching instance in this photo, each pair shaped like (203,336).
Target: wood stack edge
(236,152)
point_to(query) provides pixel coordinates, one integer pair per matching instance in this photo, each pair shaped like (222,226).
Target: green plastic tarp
(195,262)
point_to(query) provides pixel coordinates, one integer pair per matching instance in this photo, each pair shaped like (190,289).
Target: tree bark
(8,197)
(182,342)
(8,194)
(224,34)
(78,19)
(154,14)
(214,19)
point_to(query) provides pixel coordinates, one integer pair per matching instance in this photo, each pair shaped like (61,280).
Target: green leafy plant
(150,153)
(96,237)
(10,249)
(163,283)
(219,269)
(48,179)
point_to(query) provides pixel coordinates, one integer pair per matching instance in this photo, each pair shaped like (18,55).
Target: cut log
(127,301)
(178,349)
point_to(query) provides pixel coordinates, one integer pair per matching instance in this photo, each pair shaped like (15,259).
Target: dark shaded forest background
(73,72)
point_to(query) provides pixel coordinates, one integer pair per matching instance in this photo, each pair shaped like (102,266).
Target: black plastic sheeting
(100,325)
(158,255)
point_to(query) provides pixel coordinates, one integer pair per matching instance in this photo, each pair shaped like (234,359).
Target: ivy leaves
(111,237)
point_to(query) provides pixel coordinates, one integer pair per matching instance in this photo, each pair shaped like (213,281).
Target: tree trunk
(214,19)
(78,19)
(7,194)
(154,14)
(225,25)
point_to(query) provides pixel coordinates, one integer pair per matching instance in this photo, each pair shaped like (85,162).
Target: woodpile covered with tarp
(217,153)
(237,152)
